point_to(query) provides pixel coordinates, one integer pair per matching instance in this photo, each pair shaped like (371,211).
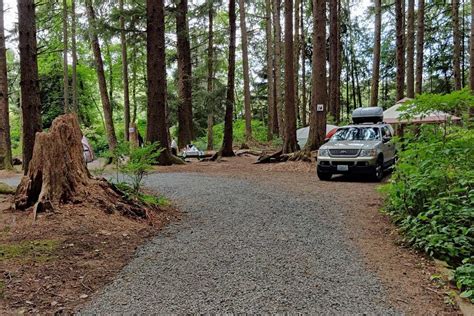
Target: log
(270,158)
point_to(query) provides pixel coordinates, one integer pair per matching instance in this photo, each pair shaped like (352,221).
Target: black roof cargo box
(367,115)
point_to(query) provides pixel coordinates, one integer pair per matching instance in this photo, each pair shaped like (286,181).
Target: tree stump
(57,172)
(57,175)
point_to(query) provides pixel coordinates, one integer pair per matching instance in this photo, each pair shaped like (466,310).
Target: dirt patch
(406,274)
(57,262)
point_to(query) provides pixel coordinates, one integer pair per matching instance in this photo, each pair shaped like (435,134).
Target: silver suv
(360,148)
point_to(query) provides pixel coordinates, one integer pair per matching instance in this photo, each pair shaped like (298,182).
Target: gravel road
(244,247)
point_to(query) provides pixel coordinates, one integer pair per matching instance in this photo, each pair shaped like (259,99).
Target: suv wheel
(378,172)
(324,176)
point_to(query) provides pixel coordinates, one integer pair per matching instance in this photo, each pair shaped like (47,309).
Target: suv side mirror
(386,139)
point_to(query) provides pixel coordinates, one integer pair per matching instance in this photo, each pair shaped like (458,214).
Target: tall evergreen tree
(269,55)
(456,45)
(317,130)
(157,125)
(226,149)
(29,84)
(400,54)
(420,34)
(99,65)
(245,64)
(5,142)
(410,53)
(126,90)
(290,144)
(65,55)
(374,91)
(185,80)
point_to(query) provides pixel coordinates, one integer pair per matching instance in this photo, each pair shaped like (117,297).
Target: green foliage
(259,133)
(135,162)
(431,193)
(464,277)
(148,199)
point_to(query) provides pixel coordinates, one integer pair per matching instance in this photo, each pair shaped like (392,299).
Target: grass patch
(2,288)
(37,250)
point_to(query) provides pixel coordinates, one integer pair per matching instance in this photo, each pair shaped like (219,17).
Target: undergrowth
(431,193)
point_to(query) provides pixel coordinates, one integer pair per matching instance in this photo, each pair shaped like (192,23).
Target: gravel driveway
(244,247)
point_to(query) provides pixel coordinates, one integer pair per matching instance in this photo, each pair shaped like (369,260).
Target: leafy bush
(259,133)
(431,193)
(134,163)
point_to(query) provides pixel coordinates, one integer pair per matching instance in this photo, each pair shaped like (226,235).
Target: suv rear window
(356,133)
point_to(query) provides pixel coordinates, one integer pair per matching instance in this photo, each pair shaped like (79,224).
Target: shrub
(431,193)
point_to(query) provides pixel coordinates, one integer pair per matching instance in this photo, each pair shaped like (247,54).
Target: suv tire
(378,171)
(324,176)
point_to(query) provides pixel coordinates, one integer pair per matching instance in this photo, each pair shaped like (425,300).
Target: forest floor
(56,263)
(273,238)
(253,238)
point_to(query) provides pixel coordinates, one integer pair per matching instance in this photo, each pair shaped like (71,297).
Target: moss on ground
(35,250)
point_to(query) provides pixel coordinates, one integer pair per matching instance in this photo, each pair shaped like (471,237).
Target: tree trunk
(185,106)
(456,46)
(29,83)
(374,95)
(317,130)
(277,65)
(296,56)
(334,61)
(74,56)
(126,92)
(245,64)
(65,64)
(303,68)
(5,142)
(290,144)
(471,59)
(269,55)
(210,74)
(226,149)
(410,55)
(419,46)
(157,125)
(400,43)
(109,123)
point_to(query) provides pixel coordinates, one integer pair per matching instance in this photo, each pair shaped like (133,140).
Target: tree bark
(296,56)
(374,95)
(334,61)
(65,63)
(185,106)
(269,56)
(245,64)
(456,46)
(74,56)
(277,65)
(420,34)
(317,130)
(157,125)
(410,59)
(5,141)
(210,74)
(400,43)
(126,91)
(226,149)
(290,144)
(304,100)
(471,59)
(109,123)
(29,83)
